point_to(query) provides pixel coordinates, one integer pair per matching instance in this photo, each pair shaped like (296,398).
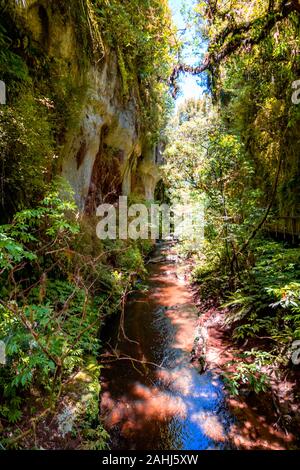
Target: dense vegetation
(59,283)
(239,147)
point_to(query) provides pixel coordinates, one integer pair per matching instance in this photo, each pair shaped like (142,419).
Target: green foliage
(206,158)
(47,91)
(12,66)
(30,325)
(26,136)
(262,112)
(132,261)
(140,31)
(141,34)
(95,439)
(248,374)
(58,282)
(252,307)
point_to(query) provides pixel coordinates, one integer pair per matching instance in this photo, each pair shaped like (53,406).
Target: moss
(123,71)
(27,151)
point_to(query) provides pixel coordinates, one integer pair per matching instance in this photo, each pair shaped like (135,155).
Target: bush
(27,152)
(248,372)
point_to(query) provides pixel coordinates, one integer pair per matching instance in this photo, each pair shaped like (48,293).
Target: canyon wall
(107,153)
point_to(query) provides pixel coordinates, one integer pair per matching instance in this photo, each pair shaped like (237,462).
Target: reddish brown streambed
(168,404)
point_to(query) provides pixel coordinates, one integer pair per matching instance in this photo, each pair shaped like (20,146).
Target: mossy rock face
(85,386)
(99,130)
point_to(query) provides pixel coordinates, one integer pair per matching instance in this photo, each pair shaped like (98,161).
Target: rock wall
(108,154)
(97,161)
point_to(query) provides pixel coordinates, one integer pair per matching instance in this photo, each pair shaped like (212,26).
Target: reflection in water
(170,406)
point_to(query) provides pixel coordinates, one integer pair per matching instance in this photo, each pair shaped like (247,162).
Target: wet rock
(199,363)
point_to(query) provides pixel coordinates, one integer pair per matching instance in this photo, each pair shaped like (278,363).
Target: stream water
(167,404)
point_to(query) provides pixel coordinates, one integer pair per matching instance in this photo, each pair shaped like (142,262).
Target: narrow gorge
(175,126)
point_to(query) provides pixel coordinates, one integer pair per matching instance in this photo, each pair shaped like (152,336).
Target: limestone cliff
(108,152)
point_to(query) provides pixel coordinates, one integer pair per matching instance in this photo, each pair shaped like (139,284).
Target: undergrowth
(58,285)
(263,307)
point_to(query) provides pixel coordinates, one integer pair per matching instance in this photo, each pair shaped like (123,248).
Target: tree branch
(239,35)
